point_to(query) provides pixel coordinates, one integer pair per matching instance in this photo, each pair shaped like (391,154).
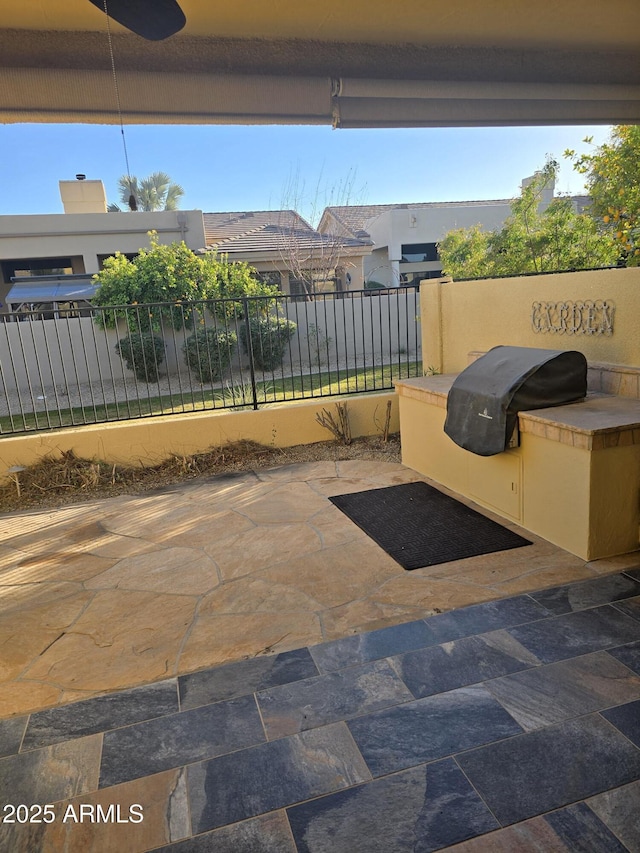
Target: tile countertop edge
(622,414)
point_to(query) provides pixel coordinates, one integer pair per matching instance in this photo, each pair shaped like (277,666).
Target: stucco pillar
(431,322)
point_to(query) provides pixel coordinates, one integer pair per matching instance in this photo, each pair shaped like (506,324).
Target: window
(416,253)
(36,266)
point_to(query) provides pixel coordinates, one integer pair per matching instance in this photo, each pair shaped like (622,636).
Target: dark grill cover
(485,399)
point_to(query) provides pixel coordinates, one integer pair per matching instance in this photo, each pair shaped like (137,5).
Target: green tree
(531,240)
(613,179)
(175,275)
(465,253)
(157,192)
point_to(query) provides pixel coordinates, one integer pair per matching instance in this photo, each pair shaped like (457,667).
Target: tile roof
(269,231)
(222,226)
(356,217)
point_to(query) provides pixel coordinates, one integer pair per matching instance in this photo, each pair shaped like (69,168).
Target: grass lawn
(268,390)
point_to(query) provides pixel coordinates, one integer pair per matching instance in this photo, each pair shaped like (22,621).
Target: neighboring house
(287,251)
(354,245)
(55,255)
(405,236)
(43,249)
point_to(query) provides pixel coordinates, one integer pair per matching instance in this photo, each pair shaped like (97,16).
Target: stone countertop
(595,423)
(429,389)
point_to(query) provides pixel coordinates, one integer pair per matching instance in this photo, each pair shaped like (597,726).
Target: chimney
(82,196)
(546,192)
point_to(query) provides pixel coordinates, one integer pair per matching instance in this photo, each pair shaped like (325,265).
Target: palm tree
(157,192)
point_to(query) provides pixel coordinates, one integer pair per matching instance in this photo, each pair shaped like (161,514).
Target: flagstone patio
(122,592)
(258,676)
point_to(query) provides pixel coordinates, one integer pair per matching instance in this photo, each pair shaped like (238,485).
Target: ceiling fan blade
(154,20)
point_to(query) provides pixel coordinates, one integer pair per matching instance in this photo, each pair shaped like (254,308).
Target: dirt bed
(69,479)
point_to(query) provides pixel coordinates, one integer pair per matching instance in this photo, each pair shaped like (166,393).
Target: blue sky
(256,168)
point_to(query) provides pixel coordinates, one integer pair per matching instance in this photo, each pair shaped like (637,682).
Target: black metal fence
(65,367)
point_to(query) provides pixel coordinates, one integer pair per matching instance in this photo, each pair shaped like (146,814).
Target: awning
(51,292)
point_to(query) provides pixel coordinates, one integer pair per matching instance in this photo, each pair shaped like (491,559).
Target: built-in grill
(484,400)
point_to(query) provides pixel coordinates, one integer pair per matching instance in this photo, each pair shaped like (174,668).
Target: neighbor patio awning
(51,291)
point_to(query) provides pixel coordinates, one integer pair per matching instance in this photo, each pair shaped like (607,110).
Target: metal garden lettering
(588,317)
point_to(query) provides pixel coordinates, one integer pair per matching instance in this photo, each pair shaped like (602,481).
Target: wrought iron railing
(66,368)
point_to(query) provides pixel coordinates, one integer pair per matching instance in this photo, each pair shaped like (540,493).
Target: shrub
(164,281)
(208,352)
(269,338)
(142,352)
(374,288)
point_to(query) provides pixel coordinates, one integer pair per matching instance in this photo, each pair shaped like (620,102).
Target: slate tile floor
(512,725)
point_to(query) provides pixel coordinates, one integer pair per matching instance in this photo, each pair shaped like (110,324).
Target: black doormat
(419,526)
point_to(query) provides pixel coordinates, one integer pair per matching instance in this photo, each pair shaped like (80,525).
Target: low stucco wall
(150,440)
(465,316)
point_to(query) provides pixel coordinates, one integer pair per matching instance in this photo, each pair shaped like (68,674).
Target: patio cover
(356,64)
(52,291)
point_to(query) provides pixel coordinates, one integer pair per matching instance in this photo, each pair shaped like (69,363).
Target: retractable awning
(57,291)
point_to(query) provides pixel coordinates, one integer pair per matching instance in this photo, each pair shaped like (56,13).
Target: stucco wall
(462,317)
(429,224)
(93,234)
(150,440)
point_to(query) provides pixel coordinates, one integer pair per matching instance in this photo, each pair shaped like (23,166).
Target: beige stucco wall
(93,234)
(466,316)
(557,500)
(150,440)
(429,224)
